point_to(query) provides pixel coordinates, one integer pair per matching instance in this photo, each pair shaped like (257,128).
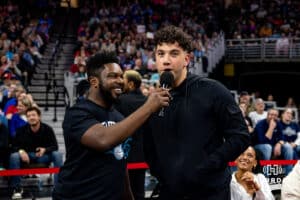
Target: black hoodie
(188,149)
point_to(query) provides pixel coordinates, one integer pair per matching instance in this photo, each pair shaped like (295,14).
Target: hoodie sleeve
(231,125)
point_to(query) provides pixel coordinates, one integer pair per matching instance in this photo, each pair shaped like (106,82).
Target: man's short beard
(106,95)
(34,125)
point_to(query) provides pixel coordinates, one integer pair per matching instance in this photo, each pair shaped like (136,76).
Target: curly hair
(171,34)
(95,63)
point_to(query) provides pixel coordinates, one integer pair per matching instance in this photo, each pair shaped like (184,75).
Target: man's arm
(233,126)
(103,138)
(272,126)
(261,129)
(51,139)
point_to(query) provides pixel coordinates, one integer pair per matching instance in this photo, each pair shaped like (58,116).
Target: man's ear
(93,82)
(130,85)
(187,59)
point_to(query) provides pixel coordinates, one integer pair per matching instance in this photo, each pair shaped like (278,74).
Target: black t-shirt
(87,173)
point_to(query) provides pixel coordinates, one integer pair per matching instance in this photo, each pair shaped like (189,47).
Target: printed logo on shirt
(289,131)
(120,151)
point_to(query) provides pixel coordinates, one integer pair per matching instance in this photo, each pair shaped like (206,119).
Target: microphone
(166,80)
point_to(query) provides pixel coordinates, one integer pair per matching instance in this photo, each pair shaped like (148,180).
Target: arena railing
(262,49)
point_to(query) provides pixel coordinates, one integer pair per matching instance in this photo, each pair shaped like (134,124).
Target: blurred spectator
(81,74)
(11,105)
(34,143)
(290,131)
(4,64)
(270,97)
(81,56)
(245,98)
(259,113)
(19,118)
(12,99)
(268,138)
(282,45)
(243,107)
(290,103)
(82,90)
(265,30)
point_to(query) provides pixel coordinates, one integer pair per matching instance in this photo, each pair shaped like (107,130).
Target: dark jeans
(15,163)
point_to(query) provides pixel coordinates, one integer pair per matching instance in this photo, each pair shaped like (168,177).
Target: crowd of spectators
(22,42)
(128,28)
(275,131)
(262,19)
(23,37)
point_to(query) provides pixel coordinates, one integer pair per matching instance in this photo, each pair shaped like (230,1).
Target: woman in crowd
(247,182)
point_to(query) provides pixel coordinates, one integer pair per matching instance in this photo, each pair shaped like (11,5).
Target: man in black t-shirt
(96,136)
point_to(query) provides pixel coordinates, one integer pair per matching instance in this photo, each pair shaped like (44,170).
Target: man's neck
(100,101)
(35,128)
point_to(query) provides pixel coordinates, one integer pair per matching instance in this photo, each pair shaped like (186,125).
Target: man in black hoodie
(202,129)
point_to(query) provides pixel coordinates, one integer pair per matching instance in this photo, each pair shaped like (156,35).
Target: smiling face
(33,118)
(170,56)
(287,116)
(21,108)
(111,82)
(247,160)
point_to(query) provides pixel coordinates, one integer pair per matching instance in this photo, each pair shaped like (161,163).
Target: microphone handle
(162,110)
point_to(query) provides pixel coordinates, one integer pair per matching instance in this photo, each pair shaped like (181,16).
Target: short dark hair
(244,93)
(171,34)
(95,63)
(34,108)
(82,87)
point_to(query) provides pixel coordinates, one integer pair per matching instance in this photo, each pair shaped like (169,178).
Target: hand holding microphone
(161,96)
(166,81)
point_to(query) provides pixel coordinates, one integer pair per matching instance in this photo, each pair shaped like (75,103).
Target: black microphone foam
(166,80)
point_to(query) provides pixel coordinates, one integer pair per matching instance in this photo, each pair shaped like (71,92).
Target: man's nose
(166,59)
(120,80)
